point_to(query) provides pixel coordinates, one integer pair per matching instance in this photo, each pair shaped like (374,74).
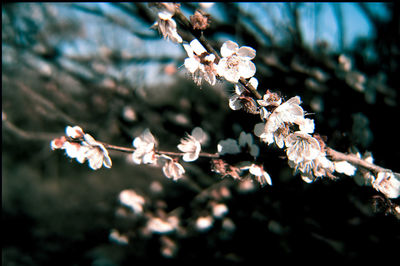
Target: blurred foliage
(100,66)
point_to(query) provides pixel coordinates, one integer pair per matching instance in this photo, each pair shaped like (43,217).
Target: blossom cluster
(82,147)
(234,64)
(146,152)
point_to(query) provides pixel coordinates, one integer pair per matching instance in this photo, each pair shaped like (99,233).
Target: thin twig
(129,150)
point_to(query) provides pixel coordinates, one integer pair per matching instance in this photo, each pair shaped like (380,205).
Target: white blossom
(301,147)
(345,168)
(74,132)
(132,200)
(306,125)
(191,144)
(82,147)
(260,174)
(200,63)
(276,128)
(387,183)
(145,146)
(236,62)
(95,153)
(270,99)
(310,170)
(170,167)
(166,24)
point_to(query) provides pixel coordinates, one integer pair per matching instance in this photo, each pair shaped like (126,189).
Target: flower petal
(188,49)
(199,134)
(191,64)
(197,47)
(259,129)
(234,102)
(247,69)
(247,52)
(229,48)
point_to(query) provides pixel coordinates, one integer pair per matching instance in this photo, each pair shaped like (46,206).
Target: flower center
(233,61)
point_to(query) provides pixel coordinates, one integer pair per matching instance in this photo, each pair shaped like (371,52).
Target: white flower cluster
(234,64)
(82,147)
(303,150)
(145,152)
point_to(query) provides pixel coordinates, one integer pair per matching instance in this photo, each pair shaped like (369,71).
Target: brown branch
(355,160)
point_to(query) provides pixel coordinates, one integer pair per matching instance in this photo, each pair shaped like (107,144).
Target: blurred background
(100,66)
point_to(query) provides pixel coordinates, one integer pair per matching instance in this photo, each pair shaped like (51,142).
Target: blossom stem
(248,86)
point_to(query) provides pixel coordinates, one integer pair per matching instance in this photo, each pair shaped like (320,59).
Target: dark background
(87,64)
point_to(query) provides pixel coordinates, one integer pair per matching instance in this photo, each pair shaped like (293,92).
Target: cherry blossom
(312,169)
(236,62)
(301,147)
(74,132)
(145,146)
(277,126)
(95,153)
(387,183)
(191,144)
(170,167)
(270,99)
(306,125)
(166,24)
(200,63)
(82,147)
(260,174)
